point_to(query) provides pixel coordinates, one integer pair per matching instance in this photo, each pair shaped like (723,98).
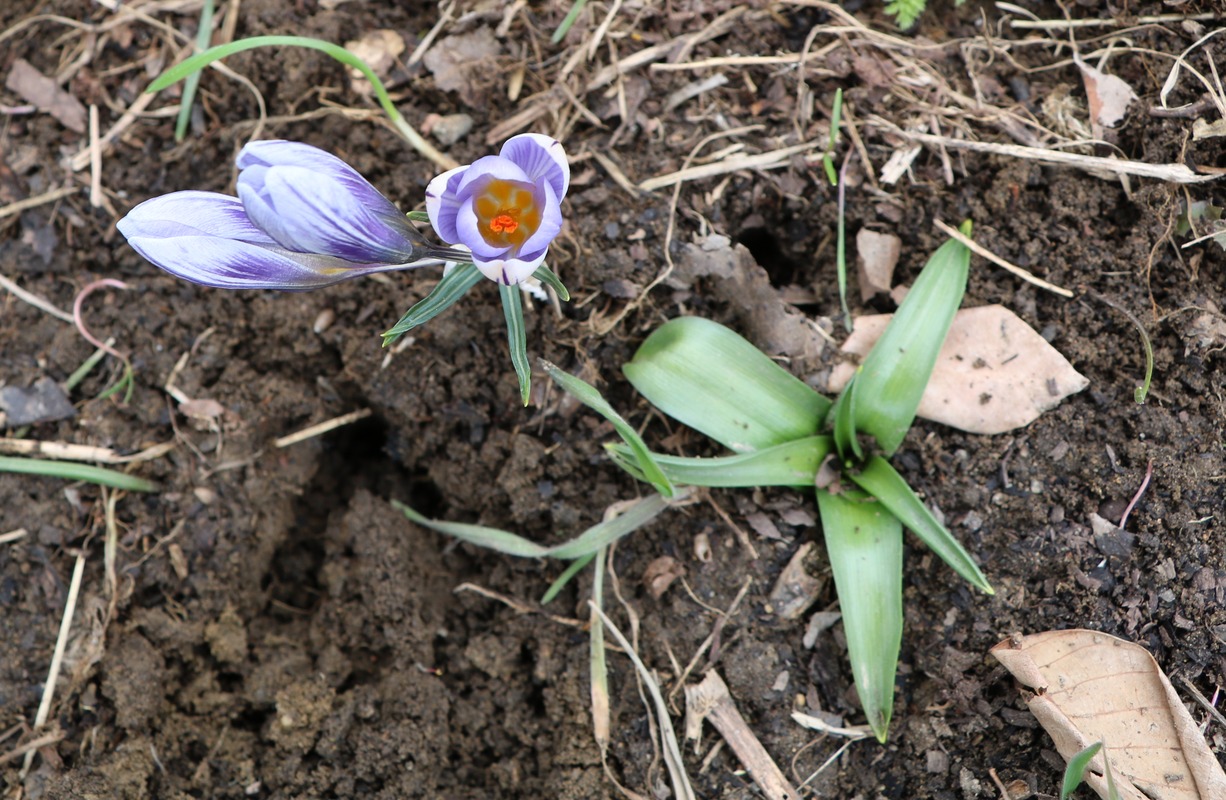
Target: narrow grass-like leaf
(882,481)
(593,399)
(1075,772)
(70,470)
(571,571)
(548,277)
(864,542)
(789,464)
(896,372)
(713,380)
(203,34)
(575,10)
(452,287)
(588,542)
(202,60)
(418,216)
(844,424)
(517,337)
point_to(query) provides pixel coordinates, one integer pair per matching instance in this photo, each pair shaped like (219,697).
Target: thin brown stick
(33,299)
(979,249)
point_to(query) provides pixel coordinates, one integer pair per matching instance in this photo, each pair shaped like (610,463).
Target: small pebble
(324,320)
(451,128)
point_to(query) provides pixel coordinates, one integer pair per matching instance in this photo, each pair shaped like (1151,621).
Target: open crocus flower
(303,219)
(505,208)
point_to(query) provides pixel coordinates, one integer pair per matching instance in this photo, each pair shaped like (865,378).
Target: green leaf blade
(713,380)
(789,464)
(593,399)
(517,337)
(454,285)
(73,471)
(864,543)
(1075,771)
(894,375)
(881,480)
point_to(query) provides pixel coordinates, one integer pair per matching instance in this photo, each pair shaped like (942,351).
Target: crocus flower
(506,208)
(302,219)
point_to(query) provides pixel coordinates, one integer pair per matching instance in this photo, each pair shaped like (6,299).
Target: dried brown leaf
(1091,687)
(994,372)
(41,91)
(1108,95)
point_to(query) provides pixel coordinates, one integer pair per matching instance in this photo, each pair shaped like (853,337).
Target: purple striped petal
(509,270)
(188,213)
(280,153)
(542,158)
(231,264)
(312,212)
(442,204)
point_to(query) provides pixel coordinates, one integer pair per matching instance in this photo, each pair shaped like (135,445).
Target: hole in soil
(765,248)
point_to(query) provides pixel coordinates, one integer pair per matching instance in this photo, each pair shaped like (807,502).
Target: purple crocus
(505,208)
(302,219)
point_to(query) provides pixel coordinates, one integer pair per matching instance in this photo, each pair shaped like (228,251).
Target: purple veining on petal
(442,205)
(489,168)
(192,212)
(541,158)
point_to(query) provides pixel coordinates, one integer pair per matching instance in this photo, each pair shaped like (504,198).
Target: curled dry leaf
(994,372)
(1091,687)
(660,574)
(1108,95)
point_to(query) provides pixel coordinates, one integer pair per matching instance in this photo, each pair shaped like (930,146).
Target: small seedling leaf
(1075,771)
(72,471)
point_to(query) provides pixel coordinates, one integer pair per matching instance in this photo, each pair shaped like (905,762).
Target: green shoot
(836,118)
(793,463)
(202,60)
(1075,772)
(70,470)
(572,569)
(203,34)
(1141,392)
(568,21)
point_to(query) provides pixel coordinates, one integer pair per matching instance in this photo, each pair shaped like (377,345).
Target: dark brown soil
(280,631)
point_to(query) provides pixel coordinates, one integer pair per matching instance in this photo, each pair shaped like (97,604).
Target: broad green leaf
(73,471)
(586,543)
(590,397)
(790,464)
(1075,772)
(864,542)
(713,380)
(547,276)
(454,285)
(894,375)
(882,481)
(517,336)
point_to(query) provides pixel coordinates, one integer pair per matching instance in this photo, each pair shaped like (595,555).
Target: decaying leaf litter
(278,629)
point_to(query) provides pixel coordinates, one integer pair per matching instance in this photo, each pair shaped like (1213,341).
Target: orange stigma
(504,223)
